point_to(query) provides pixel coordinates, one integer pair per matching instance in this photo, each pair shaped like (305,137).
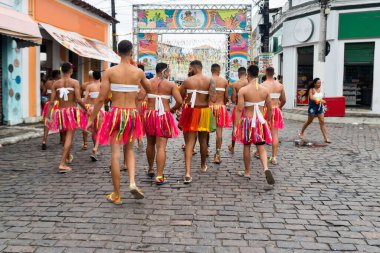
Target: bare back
(222,96)
(73,95)
(236,87)
(197,82)
(123,74)
(253,94)
(162,87)
(49,86)
(274,87)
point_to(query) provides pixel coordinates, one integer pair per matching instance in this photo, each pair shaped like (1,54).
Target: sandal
(204,169)
(161,180)
(256,154)
(187,180)
(273,160)
(150,173)
(217,159)
(328,141)
(113,198)
(231,149)
(94,158)
(136,192)
(84,146)
(64,170)
(70,159)
(302,136)
(269,177)
(242,174)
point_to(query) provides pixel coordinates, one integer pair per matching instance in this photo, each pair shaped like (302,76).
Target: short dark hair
(141,66)
(55,73)
(125,47)
(161,67)
(215,68)
(66,67)
(197,64)
(96,74)
(242,71)
(269,71)
(253,71)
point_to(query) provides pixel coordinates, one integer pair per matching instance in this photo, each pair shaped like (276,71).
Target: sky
(124,15)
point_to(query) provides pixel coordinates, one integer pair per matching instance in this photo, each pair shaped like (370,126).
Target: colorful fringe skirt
(69,118)
(98,122)
(161,126)
(46,107)
(258,134)
(121,125)
(277,120)
(197,119)
(144,107)
(221,115)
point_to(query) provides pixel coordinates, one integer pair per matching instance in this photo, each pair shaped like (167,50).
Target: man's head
(97,75)
(141,66)
(242,72)
(215,69)
(55,74)
(269,72)
(125,48)
(163,68)
(67,68)
(195,67)
(253,71)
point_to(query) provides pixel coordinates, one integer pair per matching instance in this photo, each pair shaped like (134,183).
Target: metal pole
(267,26)
(113,13)
(323,31)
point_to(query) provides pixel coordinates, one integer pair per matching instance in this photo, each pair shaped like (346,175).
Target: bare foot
(302,136)
(327,141)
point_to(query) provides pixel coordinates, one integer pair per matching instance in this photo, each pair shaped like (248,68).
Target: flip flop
(328,142)
(94,158)
(217,159)
(204,170)
(150,173)
(70,160)
(256,154)
(137,193)
(269,177)
(187,180)
(84,146)
(63,171)
(114,199)
(242,174)
(231,149)
(273,160)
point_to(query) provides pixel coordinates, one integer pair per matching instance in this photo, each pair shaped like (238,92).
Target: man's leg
(202,137)
(151,153)
(247,160)
(274,145)
(190,138)
(219,134)
(66,150)
(115,168)
(231,147)
(131,164)
(85,137)
(44,140)
(264,162)
(161,155)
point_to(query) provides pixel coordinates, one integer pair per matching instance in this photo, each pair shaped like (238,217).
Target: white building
(352,67)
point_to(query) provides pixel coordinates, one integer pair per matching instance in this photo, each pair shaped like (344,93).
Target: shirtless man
(67,116)
(251,127)
(219,108)
(92,93)
(159,123)
(243,81)
(196,118)
(122,124)
(277,94)
(83,94)
(55,75)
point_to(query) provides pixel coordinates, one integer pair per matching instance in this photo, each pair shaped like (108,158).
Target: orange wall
(32,82)
(62,16)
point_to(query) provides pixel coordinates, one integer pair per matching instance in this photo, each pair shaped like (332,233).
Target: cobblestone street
(324,199)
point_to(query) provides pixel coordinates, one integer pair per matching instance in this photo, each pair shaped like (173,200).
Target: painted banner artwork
(238,54)
(148,51)
(265,61)
(185,19)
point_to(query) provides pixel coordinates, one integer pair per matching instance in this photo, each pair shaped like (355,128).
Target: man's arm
(268,104)
(142,94)
(78,97)
(103,95)
(226,92)
(239,107)
(234,93)
(177,97)
(282,98)
(87,93)
(212,91)
(145,82)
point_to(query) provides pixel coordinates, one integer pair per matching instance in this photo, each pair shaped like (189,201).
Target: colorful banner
(194,19)
(265,61)
(238,54)
(148,51)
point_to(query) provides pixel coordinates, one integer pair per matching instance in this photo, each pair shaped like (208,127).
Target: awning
(82,46)
(19,26)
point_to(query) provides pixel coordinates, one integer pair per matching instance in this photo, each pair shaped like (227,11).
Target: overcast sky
(124,12)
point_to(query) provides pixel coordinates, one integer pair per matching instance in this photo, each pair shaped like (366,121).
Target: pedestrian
(55,75)
(159,123)
(251,126)
(83,94)
(278,100)
(66,117)
(219,108)
(122,124)
(243,81)
(197,118)
(316,109)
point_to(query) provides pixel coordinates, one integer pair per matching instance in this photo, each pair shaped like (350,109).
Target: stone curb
(31,133)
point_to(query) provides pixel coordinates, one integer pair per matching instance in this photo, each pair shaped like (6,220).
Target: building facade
(352,65)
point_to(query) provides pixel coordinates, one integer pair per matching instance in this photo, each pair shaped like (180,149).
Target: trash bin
(336,106)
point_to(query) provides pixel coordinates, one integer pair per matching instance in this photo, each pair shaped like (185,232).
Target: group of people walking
(139,106)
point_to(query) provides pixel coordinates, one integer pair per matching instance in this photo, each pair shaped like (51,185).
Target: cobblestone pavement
(325,198)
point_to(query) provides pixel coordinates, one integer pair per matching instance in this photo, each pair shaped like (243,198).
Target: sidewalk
(14,134)
(353,116)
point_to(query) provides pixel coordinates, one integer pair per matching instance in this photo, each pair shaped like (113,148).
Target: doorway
(305,73)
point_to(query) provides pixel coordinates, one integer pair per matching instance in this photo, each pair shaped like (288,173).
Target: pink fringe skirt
(121,125)
(98,122)
(69,118)
(258,134)
(277,120)
(161,126)
(221,115)
(46,107)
